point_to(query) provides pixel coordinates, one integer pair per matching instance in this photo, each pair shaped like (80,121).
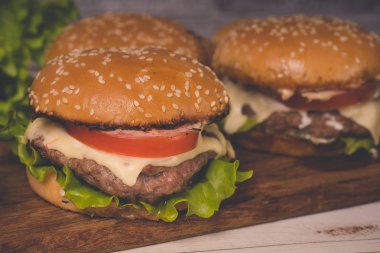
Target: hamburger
(129,133)
(301,85)
(129,30)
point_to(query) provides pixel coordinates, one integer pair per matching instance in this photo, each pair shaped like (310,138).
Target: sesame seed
(149,98)
(58,102)
(162,87)
(172,87)
(148,115)
(128,86)
(92,111)
(169,95)
(141,96)
(101,80)
(196,93)
(47,101)
(136,103)
(357,60)
(163,108)
(156,87)
(188,74)
(64,100)
(77,107)
(175,106)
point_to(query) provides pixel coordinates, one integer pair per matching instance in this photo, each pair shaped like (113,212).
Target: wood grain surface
(282,187)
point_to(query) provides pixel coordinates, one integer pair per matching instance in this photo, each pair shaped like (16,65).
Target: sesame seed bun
(131,31)
(130,89)
(53,193)
(297,52)
(229,29)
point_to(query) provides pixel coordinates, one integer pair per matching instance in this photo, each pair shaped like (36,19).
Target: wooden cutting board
(281,188)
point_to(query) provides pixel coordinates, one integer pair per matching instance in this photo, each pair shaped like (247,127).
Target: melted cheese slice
(126,168)
(365,114)
(263,107)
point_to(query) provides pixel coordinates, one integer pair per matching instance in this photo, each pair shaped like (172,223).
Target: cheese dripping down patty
(366,114)
(127,168)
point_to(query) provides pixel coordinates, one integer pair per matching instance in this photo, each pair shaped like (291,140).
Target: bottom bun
(286,145)
(52,192)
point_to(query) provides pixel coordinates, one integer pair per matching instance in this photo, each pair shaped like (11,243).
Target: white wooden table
(355,229)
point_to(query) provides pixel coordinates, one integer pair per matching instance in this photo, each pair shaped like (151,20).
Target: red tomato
(349,97)
(156,143)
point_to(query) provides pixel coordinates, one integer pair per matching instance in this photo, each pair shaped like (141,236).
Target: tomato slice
(346,98)
(152,144)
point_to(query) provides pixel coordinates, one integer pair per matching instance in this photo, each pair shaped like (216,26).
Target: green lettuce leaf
(14,124)
(26,29)
(203,199)
(82,195)
(353,145)
(248,125)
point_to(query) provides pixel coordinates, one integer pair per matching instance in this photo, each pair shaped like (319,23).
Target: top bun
(128,88)
(229,29)
(297,52)
(131,31)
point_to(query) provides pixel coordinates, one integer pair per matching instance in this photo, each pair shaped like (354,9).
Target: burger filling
(157,182)
(352,117)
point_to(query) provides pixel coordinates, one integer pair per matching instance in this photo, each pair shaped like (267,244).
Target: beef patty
(152,184)
(323,125)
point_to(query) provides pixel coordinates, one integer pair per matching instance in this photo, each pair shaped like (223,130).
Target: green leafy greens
(26,29)
(248,125)
(203,199)
(353,145)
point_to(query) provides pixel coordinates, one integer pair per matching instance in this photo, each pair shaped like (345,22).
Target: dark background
(204,16)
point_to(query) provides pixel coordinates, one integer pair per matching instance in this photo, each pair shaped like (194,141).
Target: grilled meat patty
(152,184)
(323,125)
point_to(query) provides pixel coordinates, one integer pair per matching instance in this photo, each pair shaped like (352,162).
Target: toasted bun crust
(51,191)
(229,29)
(128,30)
(298,52)
(131,88)
(285,145)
